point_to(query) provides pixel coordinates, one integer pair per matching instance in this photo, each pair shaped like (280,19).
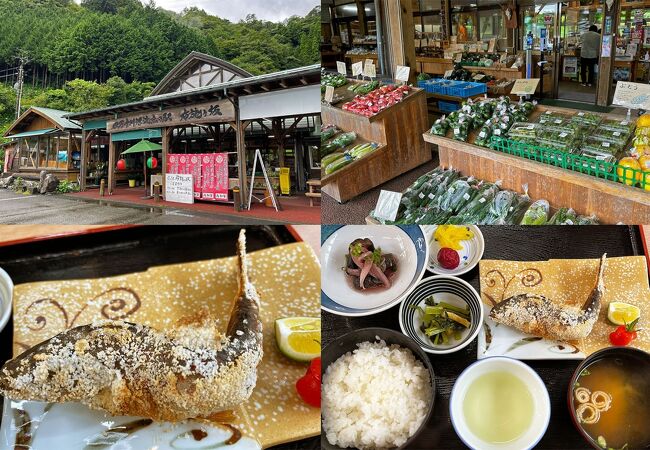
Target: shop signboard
(179,188)
(210,112)
(632,95)
(525,86)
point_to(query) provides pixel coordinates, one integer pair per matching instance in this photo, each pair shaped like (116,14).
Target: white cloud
(236,10)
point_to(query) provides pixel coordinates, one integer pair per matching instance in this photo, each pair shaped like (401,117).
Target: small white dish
(541,401)
(6,295)
(338,296)
(470,255)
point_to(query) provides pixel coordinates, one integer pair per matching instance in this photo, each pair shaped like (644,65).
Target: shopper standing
(589,54)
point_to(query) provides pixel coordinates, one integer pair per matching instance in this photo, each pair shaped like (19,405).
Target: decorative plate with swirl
(287,278)
(562,281)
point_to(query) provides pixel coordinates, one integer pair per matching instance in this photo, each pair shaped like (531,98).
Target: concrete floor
(58,210)
(574,91)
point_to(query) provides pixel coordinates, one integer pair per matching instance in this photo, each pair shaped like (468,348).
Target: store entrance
(575,54)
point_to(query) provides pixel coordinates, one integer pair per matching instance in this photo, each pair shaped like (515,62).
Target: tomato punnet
(308,386)
(624,334)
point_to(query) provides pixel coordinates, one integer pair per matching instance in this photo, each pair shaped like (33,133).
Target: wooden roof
(198,70)
(55,117)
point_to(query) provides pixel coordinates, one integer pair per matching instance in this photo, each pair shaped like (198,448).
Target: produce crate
(448,107)
(467,89)
(577,163)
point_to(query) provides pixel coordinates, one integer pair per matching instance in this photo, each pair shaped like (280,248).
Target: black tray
(130,250)
(508,243)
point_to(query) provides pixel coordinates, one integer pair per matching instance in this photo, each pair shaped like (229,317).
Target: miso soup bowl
(634,357)
(541,402)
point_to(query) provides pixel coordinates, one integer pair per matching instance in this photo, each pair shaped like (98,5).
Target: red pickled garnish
(448,258)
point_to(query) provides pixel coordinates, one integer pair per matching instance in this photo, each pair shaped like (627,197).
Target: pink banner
(210,171)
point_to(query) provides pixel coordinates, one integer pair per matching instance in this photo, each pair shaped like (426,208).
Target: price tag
(369,71)
(402,73)
(563,135)
(617,133)
(341,68)
(497,132)
(357,69)
(448,73)
(632,95)
(329,94)
(388,205)
(526,86)
(606,144)
(479,76)
(557,121)
(580,114)
(481,134)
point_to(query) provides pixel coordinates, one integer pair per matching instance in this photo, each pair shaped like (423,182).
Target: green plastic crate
(570,161)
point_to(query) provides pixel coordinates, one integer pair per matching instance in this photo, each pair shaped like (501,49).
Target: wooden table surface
(129,250)
(508,243)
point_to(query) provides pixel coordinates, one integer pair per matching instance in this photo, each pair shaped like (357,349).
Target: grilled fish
(191,371)
(537,315)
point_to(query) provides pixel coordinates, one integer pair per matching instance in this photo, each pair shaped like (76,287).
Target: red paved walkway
(295,209)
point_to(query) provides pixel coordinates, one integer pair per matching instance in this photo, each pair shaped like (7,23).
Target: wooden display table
(438,66)
(610,201)
(398,131)
(314,191)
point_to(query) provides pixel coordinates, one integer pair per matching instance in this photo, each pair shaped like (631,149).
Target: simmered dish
(368,267)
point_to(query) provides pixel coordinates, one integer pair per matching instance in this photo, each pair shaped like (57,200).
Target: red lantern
(121,164)
(152,163)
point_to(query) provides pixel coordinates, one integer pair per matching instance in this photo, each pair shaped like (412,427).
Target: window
(491,25)
(62,152)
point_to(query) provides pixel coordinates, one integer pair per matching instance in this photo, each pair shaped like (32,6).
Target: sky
(235,10)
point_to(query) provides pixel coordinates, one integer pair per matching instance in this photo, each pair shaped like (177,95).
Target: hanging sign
(525,86)
(402,73)
(606,46)
(341,68)
(388,205)
(179,188)
(570,66)
(211,112)
(214,177)
(357,69)
(632,95)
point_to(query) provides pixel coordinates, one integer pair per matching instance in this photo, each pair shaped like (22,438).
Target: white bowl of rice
(378,390)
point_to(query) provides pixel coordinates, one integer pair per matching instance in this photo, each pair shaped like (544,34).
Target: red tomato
(308,386)
(624,334)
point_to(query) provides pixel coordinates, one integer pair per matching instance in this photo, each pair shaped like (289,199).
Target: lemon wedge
(298,338)
(620,313)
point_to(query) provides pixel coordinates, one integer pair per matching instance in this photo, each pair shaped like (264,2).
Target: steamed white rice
(375,397)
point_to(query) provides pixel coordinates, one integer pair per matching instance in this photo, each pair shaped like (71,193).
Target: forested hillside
(103,38)
(106,52)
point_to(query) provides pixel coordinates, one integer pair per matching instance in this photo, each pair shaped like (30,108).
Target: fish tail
(594,298)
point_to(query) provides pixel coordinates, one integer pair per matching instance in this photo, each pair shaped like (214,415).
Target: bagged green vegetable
(564,216)
(587,220)
(330,159)
(499,208)
(328,132)
(339,142)
(440,127)
(477,208)
(537,214)
(338,164)
(518,208)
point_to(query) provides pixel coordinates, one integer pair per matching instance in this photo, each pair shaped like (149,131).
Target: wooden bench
(314,191)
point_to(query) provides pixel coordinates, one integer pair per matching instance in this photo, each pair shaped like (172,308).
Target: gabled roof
(287,79)
(190,61)
(55,116)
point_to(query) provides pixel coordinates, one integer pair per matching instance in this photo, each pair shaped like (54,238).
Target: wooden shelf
(397,129)
(611,202)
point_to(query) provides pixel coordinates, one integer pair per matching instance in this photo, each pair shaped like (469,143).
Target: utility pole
(19,85)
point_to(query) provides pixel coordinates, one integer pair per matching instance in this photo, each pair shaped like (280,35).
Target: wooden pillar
(361,14)
(606,65)
(166,139)
(84,161)
(111,164)
(400,33)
